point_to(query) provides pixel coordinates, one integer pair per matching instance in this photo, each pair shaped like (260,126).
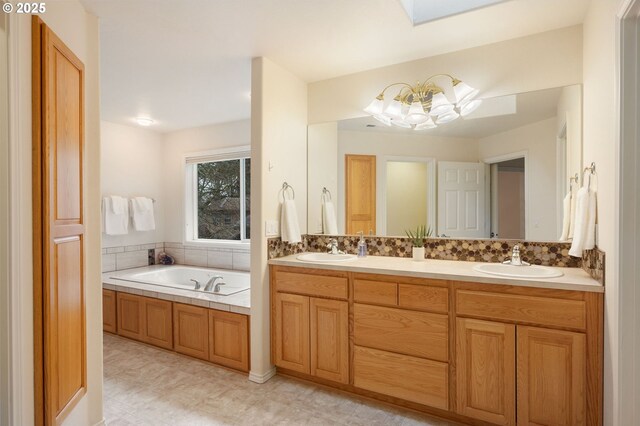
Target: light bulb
(440,104)
(144,121)
(464,92)
(447,118)
(394,110)
(401,123)
(429,124)
(383,119)
(376,106)
(468,107)
(416,114)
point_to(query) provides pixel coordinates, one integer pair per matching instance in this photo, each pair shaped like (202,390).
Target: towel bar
(286,186)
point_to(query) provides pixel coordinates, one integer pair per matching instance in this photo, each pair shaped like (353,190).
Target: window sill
(235,245)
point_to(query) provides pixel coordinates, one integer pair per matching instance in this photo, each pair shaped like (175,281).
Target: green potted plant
(417,240)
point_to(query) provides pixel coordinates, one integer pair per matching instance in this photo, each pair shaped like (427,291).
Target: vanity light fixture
(425,104)
(144,121)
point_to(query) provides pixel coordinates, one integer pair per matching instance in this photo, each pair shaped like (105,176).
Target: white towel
(142,213)
(585,222)
(289,227)
(329,221)
(115,215)
(572,219)
(566,217)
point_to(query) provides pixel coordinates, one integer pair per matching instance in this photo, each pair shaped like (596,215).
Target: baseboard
(262,378)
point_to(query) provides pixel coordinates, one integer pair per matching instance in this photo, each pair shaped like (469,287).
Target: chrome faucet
(515,258)
(197,287)
(212,282)
(333,247)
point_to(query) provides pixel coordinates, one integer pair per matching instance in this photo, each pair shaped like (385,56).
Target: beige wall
(541,61)
(279,153)
(539,142)
(322,143)
(407,184)
(4,221)
(601,146)
(79,31)
(131,165)
(175,146)
(511,201)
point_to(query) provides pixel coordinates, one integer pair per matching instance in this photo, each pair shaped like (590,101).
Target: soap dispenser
(362,245)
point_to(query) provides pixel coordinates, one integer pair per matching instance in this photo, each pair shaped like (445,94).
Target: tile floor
(148,386)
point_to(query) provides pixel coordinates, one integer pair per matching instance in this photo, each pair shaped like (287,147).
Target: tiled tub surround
(135,256)
(537,253)
(239,303)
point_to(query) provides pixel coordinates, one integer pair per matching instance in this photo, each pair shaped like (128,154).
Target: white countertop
(573,278)
(239,303)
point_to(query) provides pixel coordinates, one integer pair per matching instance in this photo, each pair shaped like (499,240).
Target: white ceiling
(187,63)
(531,107)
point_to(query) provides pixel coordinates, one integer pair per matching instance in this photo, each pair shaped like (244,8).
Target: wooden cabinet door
(158,323)
(329,334)
(60,372)
(109,311)
(292,332)
(191,330)
(551,377)
(360,183)
(229,339)
(485,354)
(130,316)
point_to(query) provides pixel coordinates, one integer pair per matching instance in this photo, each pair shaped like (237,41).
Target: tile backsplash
(135,256)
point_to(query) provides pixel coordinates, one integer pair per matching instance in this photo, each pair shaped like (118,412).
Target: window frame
(191,160)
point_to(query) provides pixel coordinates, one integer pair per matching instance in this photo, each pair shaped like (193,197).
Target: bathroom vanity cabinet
(473,352)
(208,334)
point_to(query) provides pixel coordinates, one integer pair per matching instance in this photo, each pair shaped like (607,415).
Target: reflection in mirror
(501,172)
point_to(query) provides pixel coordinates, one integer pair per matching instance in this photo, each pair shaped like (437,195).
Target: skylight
(423,11)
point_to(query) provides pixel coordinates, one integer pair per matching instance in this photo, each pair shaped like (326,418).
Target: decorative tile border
(593,263)
(537,253)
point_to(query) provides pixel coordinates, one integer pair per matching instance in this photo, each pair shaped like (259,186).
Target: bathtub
(180,277)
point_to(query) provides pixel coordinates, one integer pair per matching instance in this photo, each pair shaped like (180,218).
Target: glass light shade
(416,114)
(464,92)
(447,118)
(375,107)
(468,107)
(429,124)
(394,110)
(383,119)
(440,104)
(401,123)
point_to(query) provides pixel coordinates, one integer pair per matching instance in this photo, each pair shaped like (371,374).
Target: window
(218,197)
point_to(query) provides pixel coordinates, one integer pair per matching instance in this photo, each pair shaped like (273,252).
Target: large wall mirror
(501,172)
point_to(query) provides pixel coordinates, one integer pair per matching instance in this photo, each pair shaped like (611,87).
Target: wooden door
(485,354)
(109,311)
(329,334)
(292,332)
(130,316)
(158,323)
(360,193)
(229,339)
(191,330)
(551,377)
(461,200)
(58,220)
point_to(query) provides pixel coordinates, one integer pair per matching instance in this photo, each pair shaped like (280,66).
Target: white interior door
(461,200)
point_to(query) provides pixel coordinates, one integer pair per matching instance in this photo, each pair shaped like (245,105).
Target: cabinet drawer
(518,308)
(375,292)
(409,332)
(401,376)
(312,285)
(423,297)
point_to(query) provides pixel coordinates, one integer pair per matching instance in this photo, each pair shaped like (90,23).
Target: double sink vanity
(441,337)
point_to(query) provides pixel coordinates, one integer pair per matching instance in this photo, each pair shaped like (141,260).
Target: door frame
(381,177)
(527,192)
(627,221)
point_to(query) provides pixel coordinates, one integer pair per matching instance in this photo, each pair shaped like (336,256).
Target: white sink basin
(326,257)
(511,271)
